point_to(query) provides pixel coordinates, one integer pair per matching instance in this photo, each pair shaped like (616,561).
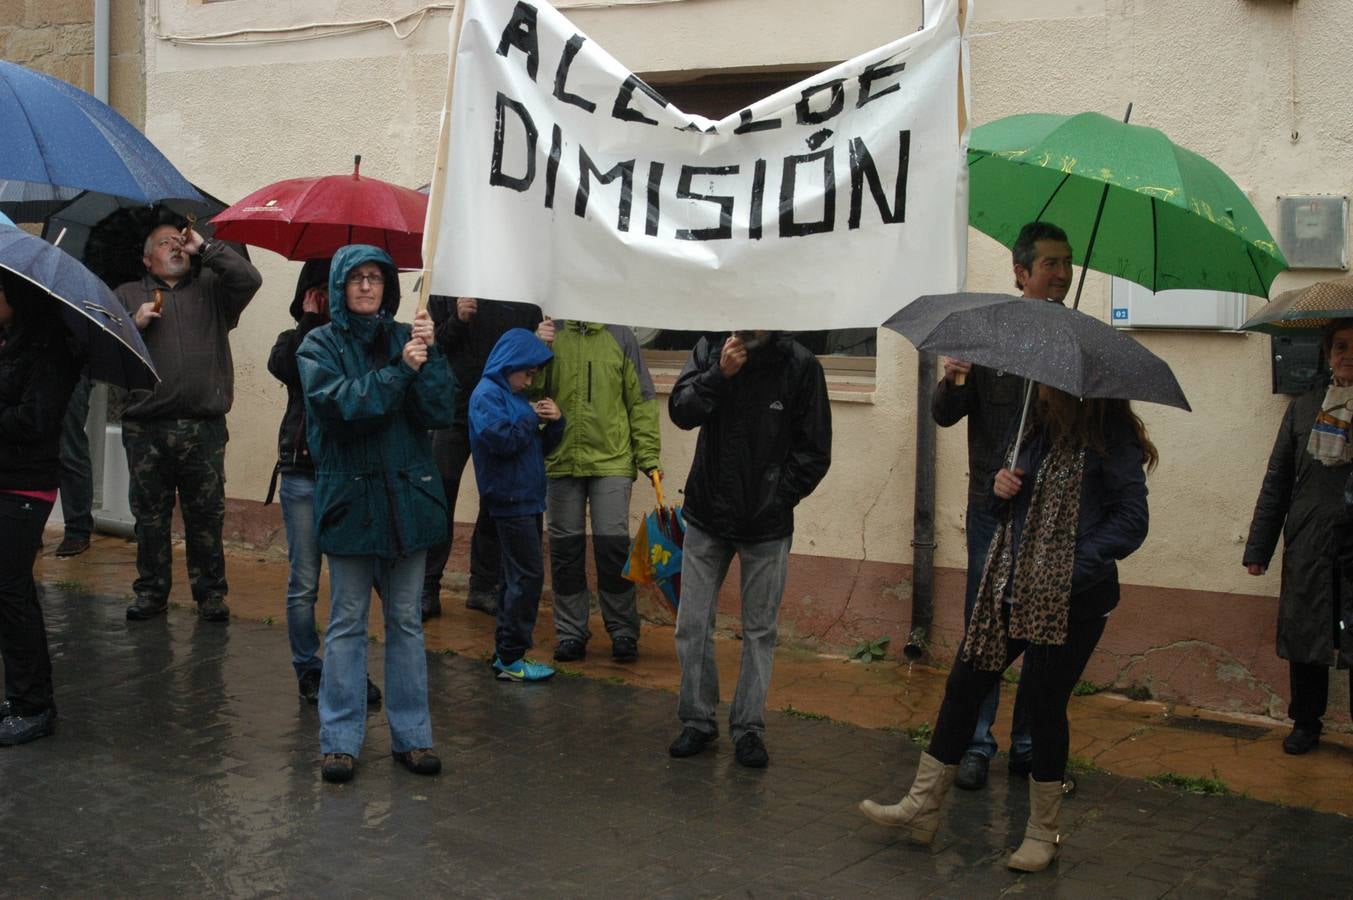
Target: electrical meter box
(1313,230)
(1137,307)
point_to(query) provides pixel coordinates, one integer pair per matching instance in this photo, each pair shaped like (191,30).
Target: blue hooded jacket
(506,438)
(377,490)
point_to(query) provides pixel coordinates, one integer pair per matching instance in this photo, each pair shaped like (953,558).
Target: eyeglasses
(373,280)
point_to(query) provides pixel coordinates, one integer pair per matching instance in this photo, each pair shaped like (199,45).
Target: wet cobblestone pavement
(185,765)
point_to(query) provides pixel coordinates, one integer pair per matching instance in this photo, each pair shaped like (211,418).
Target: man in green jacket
(600,383)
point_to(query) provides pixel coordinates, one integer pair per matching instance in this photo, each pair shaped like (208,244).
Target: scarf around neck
(1329,443)
(1040,590)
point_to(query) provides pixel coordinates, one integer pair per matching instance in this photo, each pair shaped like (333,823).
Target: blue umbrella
(57,138)
(99,323)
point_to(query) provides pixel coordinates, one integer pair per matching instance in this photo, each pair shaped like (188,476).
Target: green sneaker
(522,670)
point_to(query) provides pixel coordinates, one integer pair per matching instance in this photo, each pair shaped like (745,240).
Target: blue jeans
(704,565)
(981,527)
(298,514)
(342,691)
(523,578)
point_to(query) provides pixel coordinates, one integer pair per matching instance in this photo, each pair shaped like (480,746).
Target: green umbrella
(1133,203)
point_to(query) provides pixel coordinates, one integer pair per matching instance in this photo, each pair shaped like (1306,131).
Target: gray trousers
(704,565)
(609,499)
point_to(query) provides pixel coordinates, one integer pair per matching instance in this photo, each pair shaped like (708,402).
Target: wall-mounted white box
(1134,306)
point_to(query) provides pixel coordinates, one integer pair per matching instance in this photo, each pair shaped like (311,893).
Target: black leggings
(1050,672)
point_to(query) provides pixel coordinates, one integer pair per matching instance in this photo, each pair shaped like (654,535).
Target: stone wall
(52,36)
(57,37)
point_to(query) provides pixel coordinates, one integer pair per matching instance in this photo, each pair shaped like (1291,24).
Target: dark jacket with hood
(190,342)
(468,344)
(293,452)
(1113,520)
(1302,501)
(508,440)
(765,437)
(377,491)
(37,374)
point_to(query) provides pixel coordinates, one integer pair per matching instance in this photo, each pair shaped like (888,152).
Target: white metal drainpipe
(96,425)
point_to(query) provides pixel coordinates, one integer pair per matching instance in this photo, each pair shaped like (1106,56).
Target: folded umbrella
(58,140)
(1133,203)
(1039,340)
(310,218)
(655,555)
(100,326)
(1307,309)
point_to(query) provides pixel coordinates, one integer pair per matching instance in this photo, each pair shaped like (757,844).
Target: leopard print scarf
(1041,596)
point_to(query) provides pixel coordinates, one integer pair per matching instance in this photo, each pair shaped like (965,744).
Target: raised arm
(698,389)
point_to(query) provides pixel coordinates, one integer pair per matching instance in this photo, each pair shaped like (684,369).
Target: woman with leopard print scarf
(1072,505)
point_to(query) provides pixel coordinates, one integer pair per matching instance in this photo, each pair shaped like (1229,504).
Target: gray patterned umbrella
(1039,340)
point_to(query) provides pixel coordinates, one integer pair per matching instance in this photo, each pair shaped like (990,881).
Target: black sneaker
(570,650)
(690,742)
(972,771)
(1021,764)
(484,601)
(432,606)
(750,751)
(624,649)
(308,684)
(1301,740)
(146,608)
(373,693)
(213,608)
(72,545)
(15,729)
(337,768)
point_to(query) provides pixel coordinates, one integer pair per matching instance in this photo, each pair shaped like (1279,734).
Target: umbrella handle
(657,487)
(961,378)
(1023,416)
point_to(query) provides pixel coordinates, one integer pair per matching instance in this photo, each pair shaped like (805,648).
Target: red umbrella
(310,218)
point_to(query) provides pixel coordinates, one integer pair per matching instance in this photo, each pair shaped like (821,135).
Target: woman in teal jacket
(373,387)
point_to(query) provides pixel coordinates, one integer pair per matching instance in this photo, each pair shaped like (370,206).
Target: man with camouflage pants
(175,435)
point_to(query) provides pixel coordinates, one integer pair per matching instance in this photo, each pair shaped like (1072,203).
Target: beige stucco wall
(1217,75)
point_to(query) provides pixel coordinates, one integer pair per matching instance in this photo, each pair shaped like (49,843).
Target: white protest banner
(572,184)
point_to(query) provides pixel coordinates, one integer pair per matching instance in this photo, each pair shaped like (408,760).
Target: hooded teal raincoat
(377,490)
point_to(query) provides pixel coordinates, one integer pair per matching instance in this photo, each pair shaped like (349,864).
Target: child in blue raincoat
(509,439)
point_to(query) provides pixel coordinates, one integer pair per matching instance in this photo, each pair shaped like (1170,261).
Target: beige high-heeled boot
(919,811)
(1041,840)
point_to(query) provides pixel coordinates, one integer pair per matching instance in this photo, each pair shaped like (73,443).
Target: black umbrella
(1042,341)
(97,320)
(108,234)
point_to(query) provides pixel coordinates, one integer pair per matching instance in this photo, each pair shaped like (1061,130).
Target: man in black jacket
(760,402)
(467,329)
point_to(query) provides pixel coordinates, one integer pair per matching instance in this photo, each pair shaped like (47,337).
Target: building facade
(1250,84)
